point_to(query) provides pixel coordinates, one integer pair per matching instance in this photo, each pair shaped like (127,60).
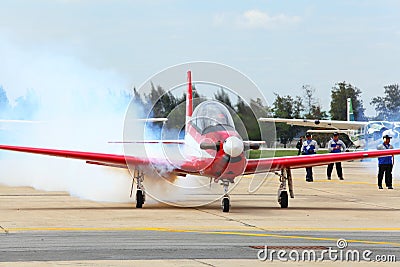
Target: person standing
(335,145)
(299,145)
(309,147)
(385,164)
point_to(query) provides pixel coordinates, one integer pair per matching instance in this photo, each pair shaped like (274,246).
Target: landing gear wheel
(139,199)
(225,204)
(284,199)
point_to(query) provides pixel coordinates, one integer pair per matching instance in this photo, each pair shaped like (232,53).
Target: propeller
(208,145)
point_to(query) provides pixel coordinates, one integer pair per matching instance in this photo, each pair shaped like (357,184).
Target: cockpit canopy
(211,113)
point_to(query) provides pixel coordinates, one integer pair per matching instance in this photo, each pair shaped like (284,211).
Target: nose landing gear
(225,203)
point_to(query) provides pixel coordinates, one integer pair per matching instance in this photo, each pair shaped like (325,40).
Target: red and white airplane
(215,149)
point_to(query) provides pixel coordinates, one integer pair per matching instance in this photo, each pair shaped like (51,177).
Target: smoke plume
(76,108)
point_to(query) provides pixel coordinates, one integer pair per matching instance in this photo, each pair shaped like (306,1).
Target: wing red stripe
(109,158)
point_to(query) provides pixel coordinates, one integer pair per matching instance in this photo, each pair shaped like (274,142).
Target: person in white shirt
(335,145)
(309,147)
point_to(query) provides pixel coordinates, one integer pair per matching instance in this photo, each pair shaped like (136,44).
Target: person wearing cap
(335,146)
(309,147)
(385,164)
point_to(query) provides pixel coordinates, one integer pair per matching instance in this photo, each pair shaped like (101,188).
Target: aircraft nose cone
(233,146)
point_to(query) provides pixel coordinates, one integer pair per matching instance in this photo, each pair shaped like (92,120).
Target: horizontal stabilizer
(122,166)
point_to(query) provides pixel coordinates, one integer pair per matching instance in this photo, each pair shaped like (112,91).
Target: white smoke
(80,108)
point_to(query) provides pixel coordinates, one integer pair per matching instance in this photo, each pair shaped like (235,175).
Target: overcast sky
(280,45)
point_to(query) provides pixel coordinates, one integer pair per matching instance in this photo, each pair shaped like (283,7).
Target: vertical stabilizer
(189,98)
(350,114)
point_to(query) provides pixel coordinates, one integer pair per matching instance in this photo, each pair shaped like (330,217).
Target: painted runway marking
(5,230)
(160,229)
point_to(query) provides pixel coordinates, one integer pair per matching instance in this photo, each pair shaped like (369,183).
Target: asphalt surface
(142,245)
(38,227)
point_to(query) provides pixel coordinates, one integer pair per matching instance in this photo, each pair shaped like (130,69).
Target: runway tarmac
(47,228)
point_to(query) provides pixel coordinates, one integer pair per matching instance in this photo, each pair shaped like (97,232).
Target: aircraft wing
(192,166)
(295,162)
(333,124)
(114,160)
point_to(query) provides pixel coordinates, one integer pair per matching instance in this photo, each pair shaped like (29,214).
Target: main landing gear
(140,192)
(285,177)
(225,203)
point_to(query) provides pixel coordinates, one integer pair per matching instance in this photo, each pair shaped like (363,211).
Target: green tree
(264,131)
(177,116)
(136,98)
(316,112)
(298,107)
(286,107)
(248,120)
(245,116)
(223,97)
(311,106)
(339,94)
(160,102)
(388,106)
(309,99)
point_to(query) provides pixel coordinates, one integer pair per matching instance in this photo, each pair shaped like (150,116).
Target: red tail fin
(189,97)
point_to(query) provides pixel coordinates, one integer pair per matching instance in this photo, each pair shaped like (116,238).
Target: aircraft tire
(139,199)
(225,204)
(284,199)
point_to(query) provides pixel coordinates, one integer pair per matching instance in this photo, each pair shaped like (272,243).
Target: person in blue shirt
(309,147)
(385,164)
(335,146)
